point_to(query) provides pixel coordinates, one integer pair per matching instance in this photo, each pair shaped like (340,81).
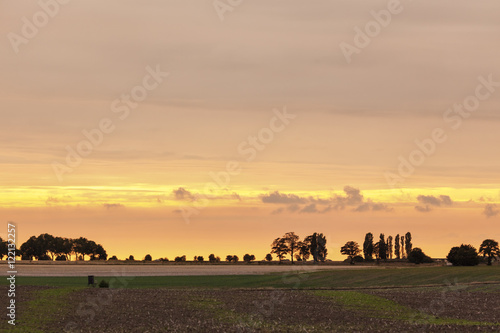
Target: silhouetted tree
(408,244)
(317,246)
(489,248)
(113,258)
(99,253)
(235,258)
(396,247)
(131,257)
(465,255)
(180,259)
(4,250)
(389,247)
(291,241)
(403,255)
(148,257)
(229,258)
(368,246)
(32,249)
(248,258)
(305,248)
(376,250)
(350,249)
(212,258)
(417,256)
(269,257)
(382,250)
(279,247)
(200,258)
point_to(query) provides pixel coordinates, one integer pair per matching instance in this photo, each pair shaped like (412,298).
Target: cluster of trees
(467,255)
(48,247)
(313,245)
(392,248)
(384,249)
(4,250)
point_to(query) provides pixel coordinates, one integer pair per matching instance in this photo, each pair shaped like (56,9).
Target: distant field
(299,278)
(416,299)
(155,269)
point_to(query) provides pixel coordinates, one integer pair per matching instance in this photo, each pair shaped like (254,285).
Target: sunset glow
(158,128)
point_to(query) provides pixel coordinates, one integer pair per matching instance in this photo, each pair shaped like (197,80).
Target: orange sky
(253,126)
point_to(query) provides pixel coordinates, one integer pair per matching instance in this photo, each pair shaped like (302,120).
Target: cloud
(277,197)
(278,211)
(369,205)
(423,209)
(491,210)
(291,208)
(435,201)
(352,197)
(51,200)
(430,200)
(113,205)
(309,209)
(182,194)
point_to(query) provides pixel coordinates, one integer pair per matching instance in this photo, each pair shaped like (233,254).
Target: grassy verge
(39,312)
(390,277)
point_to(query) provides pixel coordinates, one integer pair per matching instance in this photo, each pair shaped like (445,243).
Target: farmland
(417,299)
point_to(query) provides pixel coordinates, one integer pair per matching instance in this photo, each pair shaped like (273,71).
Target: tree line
(313,245)
(399,247)
(48,247)
(467,255)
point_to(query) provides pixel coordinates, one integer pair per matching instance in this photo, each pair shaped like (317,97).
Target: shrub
(180,259)
(465,255)
(148,257)
(417,256)
(358,259)
(103,284)
(113,258)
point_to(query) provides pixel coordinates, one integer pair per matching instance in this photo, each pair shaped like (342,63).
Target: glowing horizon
(164,129)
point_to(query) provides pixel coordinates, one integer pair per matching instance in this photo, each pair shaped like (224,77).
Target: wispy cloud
(112,205)
(427,201)
(491,210)
(352,198)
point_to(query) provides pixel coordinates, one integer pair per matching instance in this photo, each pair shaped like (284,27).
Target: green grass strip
(379,307)
(40,311)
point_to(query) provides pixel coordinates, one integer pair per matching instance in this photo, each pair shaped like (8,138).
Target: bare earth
(166,270)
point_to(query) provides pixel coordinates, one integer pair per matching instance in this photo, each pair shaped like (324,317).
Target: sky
(196,127)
